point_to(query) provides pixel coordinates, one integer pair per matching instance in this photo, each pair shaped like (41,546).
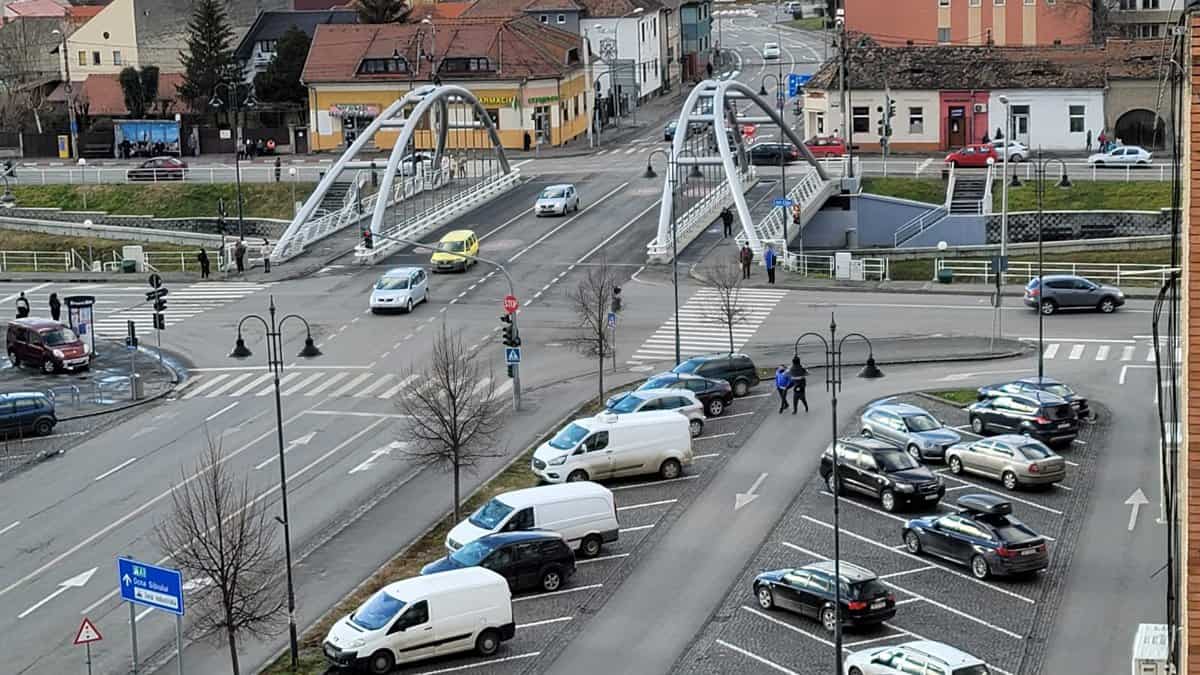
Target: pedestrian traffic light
(8,168)
(160,305)
(510,335)
(160,321)
(512,370)
(891,109)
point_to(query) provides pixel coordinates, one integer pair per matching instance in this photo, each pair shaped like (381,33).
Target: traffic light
(510,335)
(512,370)
(160,321)
(160,305)
(8,169)
(368,240)
(891,109)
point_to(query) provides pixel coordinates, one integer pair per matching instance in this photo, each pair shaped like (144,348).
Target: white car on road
(401,289)
(771,50)
(1126,155)
(1017,152)
(557,200)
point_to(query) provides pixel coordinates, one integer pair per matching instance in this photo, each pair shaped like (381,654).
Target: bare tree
(724,278)
(217,530)
(591,300)
(452,415)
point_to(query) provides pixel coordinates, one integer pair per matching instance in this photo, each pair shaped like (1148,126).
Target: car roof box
(983,503)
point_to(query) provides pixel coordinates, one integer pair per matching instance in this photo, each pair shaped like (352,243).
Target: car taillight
(1033,468)
(1033,292)
(1041,420)
(891,597)
(1006,552)
(856,605)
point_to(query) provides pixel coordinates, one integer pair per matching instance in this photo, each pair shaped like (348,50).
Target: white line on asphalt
(576,589)
(403,383)
(115,469)
(882,638)
(252,384)
(16,295)
(353,414)
(488,662)
(220,412)
(866,508)
(353,383)
(756,396)
(1051,350)
(655,482)
(912,571)
(544,622)
(708,455)
(786,625)
(566,222)
(615,556)
(712,436)
(647,504)
(635,529)
(1070,463)
(16,523)
(756,657)
(501,226)
(729,417)
(1078,339)
(1006,495)
(1063,487)
(1076,352)
(1102,352)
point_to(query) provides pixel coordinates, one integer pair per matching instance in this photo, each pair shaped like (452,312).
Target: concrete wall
(252,227)
(69,229)
(876,217)
(956,230)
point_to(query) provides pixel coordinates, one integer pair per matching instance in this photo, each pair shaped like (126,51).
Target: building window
(1030,3)
(95,58)
(974,3)
(266,46)
(83,58)
(916,120)
(1076,113)
(378,66)
(545,18)
(943,35)
(562,18)
(998,3)
(654,26)
(943,3)
(466,65)
(1149,4)
(116,57)
(820,123)
(1127,5)
(862,119)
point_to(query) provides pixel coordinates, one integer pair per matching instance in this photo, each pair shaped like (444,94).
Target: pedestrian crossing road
(703,329)
(305,382)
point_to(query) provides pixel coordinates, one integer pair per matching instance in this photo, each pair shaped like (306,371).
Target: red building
(1012,23)
(964,117)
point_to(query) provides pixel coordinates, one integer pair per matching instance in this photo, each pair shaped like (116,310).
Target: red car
(973,156)
(159,168)
(827,146)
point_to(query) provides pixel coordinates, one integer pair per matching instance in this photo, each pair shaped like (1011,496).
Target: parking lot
(1003,621)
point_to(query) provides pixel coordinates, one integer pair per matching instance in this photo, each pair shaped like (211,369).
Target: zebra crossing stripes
(311,384)
(702,328)
(182,303)
(1099,350)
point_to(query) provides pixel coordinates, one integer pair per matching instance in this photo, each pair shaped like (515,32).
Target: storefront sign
(542,99)
(353,110)
(496,100)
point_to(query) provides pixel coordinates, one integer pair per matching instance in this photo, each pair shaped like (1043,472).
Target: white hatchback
(771,50)
(557,200)
(1126,155)
(401,289)
(919,656)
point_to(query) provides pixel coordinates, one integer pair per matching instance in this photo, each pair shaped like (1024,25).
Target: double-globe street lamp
(833,383)
(238,104)
(275,363)
(673,177)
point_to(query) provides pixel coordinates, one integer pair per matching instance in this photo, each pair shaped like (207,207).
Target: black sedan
(1032,384)
(528,560)
(983,534)
(773,154)
(716,395)
(808,591)
(159,168)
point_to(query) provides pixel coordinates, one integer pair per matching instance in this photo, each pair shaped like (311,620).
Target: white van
(613,446)
(583,513)
(422,617)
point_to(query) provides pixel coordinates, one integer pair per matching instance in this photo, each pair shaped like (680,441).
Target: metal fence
(217,173)
(872,165)
(822,267)
(36,261)
(1024,270)
(74,261)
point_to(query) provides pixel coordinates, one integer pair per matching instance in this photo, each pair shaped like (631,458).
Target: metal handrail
(920,223)
(1027,269)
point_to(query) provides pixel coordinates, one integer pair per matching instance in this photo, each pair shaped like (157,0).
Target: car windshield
(392,284)
(660,382)
(772,45)
(378,611)
(895,461)
(471,554)
(568,438)
(687,367)
(629,403)
(1036,451)
(59,336)
(921,423)
(455,246)
(490,514)
(554,193)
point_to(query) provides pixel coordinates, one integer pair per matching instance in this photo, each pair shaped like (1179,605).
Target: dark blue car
(25,413)
(982,535)
(808,591)
(528,559)
(1031,384)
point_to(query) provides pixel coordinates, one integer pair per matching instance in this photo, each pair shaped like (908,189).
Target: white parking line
(729,417)
(6,529)
(756,657)
(635,529)
(756,396)
(655,482)
(1051,350)
(712,436)
(1076,352)
(912,571)
(882,638)
(488,662)
(647,504)
(709,455)
(615,556)
(553,593)
(786,625)
(1006,495)
(544,622)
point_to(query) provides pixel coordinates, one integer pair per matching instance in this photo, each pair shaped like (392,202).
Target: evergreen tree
(280,82)
(140,88)
(208,60)
(381,11)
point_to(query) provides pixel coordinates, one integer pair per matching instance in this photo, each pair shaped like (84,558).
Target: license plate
(1063,425)
(1029,551)
(879,604)
(930,497)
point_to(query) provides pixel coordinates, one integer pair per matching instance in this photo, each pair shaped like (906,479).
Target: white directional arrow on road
(299,440)
(376,454)
(1135,502)
(78,581)
(744,498)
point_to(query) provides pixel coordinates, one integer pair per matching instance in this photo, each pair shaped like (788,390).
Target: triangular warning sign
(87,633)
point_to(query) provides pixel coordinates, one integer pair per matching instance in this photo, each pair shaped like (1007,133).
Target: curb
(175,380)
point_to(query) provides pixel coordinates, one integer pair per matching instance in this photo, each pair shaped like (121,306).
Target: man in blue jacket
(783,382)
(769,260)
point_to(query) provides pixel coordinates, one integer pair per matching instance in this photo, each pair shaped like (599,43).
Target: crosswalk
(702,326)
(308,383)
(638,147)
(1082,349)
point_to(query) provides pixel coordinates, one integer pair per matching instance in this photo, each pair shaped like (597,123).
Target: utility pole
(843,57)
(70,101)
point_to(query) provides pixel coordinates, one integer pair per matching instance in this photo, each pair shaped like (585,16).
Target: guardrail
(693,218)
(918,225)
(822,266)
(1028,269)
(35,261)
(217,173)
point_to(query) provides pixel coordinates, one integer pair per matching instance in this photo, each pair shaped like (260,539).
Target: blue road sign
(612,319)
(795,82)
(150,585)
(781,202)
(512,355)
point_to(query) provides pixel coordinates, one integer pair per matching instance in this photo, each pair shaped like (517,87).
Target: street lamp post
(673,177)
(275,363)
(1040,167)
(762,91)
(833,383)
(231,90)
(74,125)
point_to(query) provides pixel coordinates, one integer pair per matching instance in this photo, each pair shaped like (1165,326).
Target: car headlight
(903,487)
(356,643)
(940,481)
(87,349)
(558,461)
(58,354)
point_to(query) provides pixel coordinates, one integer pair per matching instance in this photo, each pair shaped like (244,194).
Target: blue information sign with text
(150,585)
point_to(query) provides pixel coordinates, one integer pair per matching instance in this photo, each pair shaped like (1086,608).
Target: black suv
(716,395)
(882,471)
(528,559)
(1028,385)
(983,535)
(736,369)
(808,591)
(1038,414)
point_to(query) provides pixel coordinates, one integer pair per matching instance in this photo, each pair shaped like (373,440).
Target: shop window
(862,119)
(916,120)
(1077,113)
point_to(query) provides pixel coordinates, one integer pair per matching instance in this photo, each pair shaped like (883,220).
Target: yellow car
(456,241)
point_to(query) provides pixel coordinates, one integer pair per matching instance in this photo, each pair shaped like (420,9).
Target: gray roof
(162,26)
(273,24)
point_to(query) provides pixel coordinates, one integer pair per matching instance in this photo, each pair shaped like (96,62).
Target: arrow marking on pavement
(78,581)
(299,440)
(376,454)
(1135,502)
(744,498)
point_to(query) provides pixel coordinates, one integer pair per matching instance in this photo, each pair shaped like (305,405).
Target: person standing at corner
(783,382)
(204,264)
(239,253)
(55,307)
(745,257)
(769,261)
(726,222)
(22,306)
(799,382)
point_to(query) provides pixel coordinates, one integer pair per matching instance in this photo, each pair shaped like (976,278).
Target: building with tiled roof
(529,76)
(257,46)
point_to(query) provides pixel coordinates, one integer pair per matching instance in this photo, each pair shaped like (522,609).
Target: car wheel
(408,306)
(977,425)
(715,407)
(670,469)
(48,367)
(576,476)
(590,546)
(866,433)
(1010,480)
(381,662)
(1049,307)
(1016,158)
(13,359)
(741,388)
(888,500)
(912,542)
(487,643)
(552,579)
(696,427)
(979,567)
(1107,305)
(855,671)
(765,599)
(831,484)
(956,466)
(829,619)
(914,452)
(43,427)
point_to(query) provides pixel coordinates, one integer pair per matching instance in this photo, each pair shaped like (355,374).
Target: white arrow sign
(744,498)
(299,440)
(126,580)
(77,581)
(1135,502)
(376,454)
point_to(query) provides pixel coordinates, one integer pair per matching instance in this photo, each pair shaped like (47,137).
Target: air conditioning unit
(980,107)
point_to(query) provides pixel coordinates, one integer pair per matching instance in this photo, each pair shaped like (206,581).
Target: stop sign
(510,303)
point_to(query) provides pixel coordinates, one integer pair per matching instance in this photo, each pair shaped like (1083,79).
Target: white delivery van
(582,512)
(614,446)
(418,618)
(1151,649)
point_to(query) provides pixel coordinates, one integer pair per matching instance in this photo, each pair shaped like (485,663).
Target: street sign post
(795,82)
(155,280)
(510,303)
(86,635)
(155,587)
(782,202)
(512,355)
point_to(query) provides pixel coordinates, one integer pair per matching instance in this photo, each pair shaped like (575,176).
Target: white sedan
(1017,152)
(1126,155)
(771,50)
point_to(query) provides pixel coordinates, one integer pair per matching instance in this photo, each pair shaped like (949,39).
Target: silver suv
(906,426)
(646,400)
(920,656)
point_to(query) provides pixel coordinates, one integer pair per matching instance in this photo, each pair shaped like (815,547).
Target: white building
(914,128)
(630,48)
(1051,119)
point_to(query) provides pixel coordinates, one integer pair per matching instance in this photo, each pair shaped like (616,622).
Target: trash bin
(129,266)
(139,389)
(945,275)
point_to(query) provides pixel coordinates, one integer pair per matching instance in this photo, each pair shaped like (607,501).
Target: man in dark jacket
(55,307)
(745,257)
(727,222)
(799,382)
(204,264)
(22,306)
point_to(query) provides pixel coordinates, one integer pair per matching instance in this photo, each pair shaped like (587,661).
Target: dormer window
(479,64)
(381,66)
(266,46)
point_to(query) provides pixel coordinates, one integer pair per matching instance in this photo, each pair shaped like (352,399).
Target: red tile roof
(438,11)
(32,8)
(104,96)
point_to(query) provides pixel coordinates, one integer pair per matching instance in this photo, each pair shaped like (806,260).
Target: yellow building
(530,77)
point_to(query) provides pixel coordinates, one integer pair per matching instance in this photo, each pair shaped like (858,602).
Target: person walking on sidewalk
(726,222)
(55,307)
(745,257)
(783,382)
(22,306)
(239,254)
(799,382)
(769,261)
